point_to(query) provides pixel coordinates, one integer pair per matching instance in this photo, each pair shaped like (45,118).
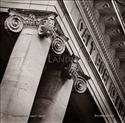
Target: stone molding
(100,38)
(100,41)
(121,1)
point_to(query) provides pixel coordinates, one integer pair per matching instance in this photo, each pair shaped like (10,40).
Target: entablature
(87,49)
(95,49)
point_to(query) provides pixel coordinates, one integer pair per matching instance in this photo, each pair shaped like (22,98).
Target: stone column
(54,92)
(22,76)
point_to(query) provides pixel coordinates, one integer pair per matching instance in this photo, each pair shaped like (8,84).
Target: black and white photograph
(62,61)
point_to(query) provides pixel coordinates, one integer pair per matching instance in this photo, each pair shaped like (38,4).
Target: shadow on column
(7,41)
(49,86)
(82,109)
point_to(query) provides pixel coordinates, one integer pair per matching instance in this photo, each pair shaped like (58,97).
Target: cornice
(93,68)
(100,41)
(44,22)
(95,31)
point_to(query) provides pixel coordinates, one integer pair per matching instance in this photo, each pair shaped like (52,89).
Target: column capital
(72,71)
(44,21)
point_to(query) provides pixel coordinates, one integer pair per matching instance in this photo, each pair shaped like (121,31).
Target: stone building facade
(62,61)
